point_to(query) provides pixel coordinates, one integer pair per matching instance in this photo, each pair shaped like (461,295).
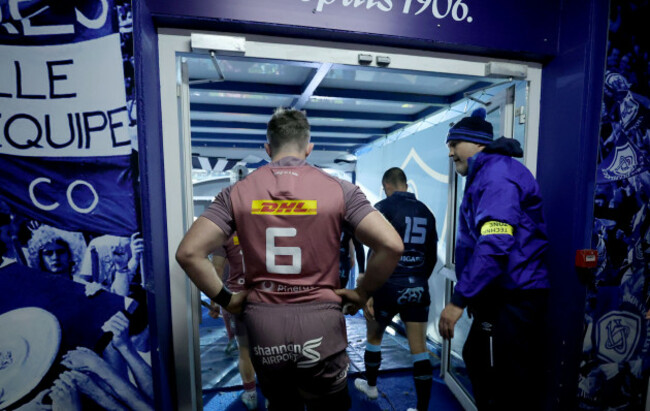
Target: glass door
(500,108)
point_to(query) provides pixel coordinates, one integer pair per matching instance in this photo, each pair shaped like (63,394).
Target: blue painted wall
(571,95)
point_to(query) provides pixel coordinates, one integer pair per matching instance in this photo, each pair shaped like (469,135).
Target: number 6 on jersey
(272,251)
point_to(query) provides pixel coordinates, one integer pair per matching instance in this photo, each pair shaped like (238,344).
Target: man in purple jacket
(502,276)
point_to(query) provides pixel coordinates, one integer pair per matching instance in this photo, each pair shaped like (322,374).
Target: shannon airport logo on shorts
(284,207)
(304,356)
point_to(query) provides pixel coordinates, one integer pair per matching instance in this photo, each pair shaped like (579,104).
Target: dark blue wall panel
(571,94)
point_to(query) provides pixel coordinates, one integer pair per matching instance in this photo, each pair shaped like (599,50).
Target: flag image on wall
(614,368)
(70,243)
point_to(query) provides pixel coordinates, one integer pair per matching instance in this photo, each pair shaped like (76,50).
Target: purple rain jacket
(499,189)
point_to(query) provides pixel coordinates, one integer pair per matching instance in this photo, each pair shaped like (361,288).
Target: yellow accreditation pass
(496,227)
(284,207)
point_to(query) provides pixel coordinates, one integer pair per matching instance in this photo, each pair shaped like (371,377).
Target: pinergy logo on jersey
(284,207)
(283,288)
(277,354)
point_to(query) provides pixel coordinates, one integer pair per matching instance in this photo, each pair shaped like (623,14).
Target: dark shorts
(410,301)
(297,350)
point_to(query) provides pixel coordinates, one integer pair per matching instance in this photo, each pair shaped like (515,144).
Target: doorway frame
(173,44)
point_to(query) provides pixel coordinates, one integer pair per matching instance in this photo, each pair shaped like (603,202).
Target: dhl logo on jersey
(284,207)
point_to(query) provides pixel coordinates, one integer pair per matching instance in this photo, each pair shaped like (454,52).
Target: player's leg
(371,359)
(414,311)
(383,310)
(229,321)
(249,396)
(422,369)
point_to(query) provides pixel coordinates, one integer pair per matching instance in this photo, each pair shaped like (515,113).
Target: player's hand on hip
(215,310)
(353,300)
(237,302)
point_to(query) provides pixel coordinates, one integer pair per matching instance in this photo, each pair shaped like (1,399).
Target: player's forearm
(380,266)
(202,274)
(202,239)
(387,248)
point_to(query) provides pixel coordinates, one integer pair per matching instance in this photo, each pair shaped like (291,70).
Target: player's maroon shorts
(297,349)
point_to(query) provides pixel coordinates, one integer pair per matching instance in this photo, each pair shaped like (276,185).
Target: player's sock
(422,375)
(249,396)
(372,359)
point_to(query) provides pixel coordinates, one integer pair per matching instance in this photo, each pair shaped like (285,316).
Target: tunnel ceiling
(232,98)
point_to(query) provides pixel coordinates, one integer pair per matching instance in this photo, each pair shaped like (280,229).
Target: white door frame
(173,44)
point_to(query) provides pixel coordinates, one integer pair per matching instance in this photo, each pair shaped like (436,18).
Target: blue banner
(91,194)
(74,308)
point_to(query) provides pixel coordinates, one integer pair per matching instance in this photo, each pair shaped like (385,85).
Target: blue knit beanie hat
(473,128)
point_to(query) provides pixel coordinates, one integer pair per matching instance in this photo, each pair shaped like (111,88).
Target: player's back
(288,216)
(416,225)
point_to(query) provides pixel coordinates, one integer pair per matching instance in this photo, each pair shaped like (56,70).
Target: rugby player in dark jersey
(407,290)
(289,215)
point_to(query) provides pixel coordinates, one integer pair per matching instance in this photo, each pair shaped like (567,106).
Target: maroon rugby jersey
(288,216)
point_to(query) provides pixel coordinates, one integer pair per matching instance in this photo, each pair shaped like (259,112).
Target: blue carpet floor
(396,393)
(222,383)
